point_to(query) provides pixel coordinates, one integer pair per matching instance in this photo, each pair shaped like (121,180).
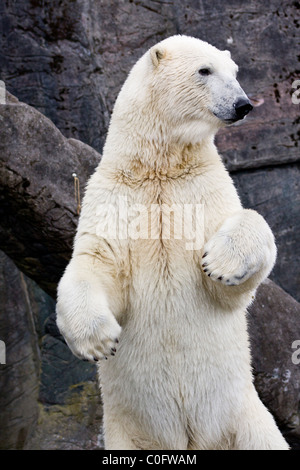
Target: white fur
(181,376)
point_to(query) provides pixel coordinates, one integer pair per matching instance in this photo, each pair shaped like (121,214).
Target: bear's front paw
(243,246)
(224,262)
(93,338)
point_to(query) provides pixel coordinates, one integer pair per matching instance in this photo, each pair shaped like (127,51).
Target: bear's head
(194,85)
(182,90)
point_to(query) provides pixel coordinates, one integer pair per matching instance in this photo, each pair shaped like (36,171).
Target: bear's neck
(147,146)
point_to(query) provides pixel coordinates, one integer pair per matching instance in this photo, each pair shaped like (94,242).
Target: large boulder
(274,325)
(19,377)
(38,210)
(48,398)
(274,193)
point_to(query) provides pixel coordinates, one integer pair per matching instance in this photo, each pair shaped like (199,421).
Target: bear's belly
(181,362)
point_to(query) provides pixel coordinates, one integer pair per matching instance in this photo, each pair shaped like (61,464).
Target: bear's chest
(165,220)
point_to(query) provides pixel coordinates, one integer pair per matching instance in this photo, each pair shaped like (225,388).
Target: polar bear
(168,316)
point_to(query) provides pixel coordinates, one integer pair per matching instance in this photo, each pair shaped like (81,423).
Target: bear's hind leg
(121,432)
(256,427)
(117,437)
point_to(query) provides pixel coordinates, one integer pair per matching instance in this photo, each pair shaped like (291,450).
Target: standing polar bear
(168,310)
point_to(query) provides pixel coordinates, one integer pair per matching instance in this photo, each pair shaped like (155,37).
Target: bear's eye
(205,71)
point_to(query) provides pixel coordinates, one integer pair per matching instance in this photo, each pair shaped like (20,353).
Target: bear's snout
(242,108)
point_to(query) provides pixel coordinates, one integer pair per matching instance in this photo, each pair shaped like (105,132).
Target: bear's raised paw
(235,252)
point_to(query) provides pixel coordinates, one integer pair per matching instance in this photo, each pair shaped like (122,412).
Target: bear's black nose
(242,107)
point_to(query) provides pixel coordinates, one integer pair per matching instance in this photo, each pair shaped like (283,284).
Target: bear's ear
(156,54)
(227,53)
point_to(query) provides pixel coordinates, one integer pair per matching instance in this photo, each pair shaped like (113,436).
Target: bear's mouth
(227,121)
(230,121)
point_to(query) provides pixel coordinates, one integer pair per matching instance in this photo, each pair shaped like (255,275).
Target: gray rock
(19,377)
(274,325)
(274,193)
(56,356)
(75,425)
(38,210)
(48,398)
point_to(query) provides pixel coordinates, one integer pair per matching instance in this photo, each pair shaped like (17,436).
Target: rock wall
(48,398)
(19,377)
(68,59)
